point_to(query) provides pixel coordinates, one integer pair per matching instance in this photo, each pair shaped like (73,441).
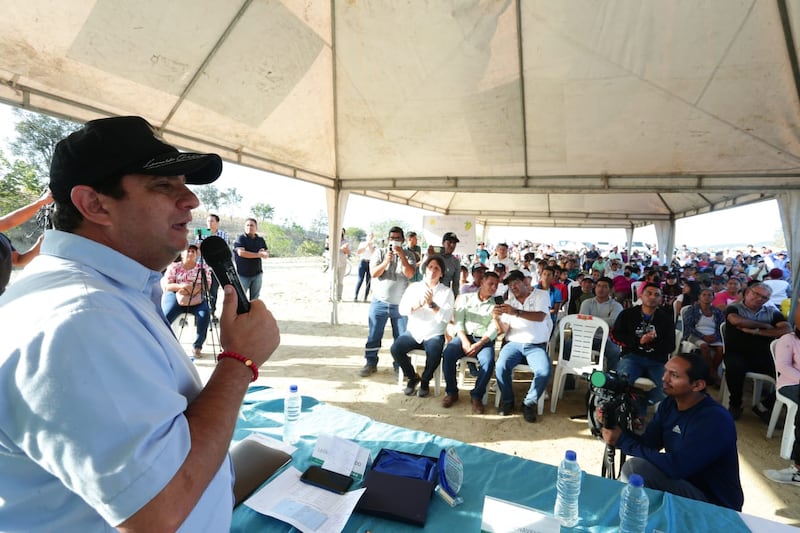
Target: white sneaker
(789,475)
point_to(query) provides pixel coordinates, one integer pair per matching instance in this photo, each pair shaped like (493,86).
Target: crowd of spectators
(682,279)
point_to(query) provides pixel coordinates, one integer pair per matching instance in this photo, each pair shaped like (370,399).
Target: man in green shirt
(476,330)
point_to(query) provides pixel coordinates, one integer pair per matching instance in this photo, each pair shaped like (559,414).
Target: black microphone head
(214,249)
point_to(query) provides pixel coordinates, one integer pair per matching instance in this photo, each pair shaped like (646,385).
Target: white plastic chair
(461,371)
(759,380)
(787,439)
(584,328)
(635,291)
(418,358)
(523,368)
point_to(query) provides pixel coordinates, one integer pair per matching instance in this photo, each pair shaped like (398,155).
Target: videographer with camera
(9,256)
(689,448)
(646,334)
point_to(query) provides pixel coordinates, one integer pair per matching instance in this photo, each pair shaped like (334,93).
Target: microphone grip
(226,275)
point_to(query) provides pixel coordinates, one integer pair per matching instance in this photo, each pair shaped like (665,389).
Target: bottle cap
(636,480)
(570,455)
(292,388)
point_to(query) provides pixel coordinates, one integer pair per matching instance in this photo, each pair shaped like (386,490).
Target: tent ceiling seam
(205,63)
(786,24)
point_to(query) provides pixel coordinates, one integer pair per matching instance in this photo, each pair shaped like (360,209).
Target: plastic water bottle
(634,506)
(569,490)
(291,414)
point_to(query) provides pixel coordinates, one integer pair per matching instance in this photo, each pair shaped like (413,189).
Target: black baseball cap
(514,275)
(109,147)
(478,266)
(450,236)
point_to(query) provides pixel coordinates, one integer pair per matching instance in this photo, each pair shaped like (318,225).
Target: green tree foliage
(36,139)
(262,211)
(355,235)
(309,248)
(381,229)
(280,244)
(231,198)
(209,196)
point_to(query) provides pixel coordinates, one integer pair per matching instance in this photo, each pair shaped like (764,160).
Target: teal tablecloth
(486,472)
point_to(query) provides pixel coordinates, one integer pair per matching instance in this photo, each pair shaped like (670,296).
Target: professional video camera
(611,402)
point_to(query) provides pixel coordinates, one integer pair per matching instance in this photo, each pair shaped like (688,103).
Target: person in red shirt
(731,294)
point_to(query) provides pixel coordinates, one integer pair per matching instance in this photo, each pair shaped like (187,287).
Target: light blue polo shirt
(93,389)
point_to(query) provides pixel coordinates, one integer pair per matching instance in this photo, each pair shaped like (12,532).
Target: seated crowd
(518,293)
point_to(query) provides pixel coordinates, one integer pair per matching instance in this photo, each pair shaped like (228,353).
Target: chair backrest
(675,313)
(684,314)
(722,335)
(635,290)
(774,361)
(583,328)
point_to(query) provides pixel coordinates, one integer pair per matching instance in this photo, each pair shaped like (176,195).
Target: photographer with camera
(646,334)
(689,448)
(9,256)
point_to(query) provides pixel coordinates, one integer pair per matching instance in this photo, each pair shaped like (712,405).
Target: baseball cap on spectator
(478,266)
(775,273)
(500,266)
(107,148)
(514,275)
(450,236)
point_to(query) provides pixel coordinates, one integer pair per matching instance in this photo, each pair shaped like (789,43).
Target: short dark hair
(698,368)
(411,234)
(491,274)
(397,229)
(254,221)
(214,216)
(66,216)
(438,259)
(549,269)
(650,284)
(606,280)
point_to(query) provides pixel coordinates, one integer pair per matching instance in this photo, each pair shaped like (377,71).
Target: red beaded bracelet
(239,357)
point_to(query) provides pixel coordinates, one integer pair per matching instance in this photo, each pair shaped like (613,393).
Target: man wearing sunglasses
(751,325)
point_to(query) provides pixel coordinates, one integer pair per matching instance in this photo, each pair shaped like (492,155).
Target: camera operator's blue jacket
(699,446)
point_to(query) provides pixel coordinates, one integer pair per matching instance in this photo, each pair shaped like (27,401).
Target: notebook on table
(253,464)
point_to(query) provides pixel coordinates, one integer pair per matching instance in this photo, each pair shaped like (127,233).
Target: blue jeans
(252,284)
(453,352)
(379,313)
(637,366)
(433,351)
(363,277)
(535,356)
(169,304)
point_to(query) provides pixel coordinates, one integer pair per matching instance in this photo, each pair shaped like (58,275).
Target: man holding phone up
(476,330)
(525,320)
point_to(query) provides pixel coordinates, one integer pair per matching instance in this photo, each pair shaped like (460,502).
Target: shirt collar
(105,260)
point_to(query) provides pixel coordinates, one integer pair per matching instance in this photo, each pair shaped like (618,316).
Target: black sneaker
(763,414)
(529,412)
(473,369)
(424,390)
(505,409)
(368,370)
(412,386)
(736,412)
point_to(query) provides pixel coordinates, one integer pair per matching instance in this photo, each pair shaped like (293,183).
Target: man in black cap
(84,328)
(452,265)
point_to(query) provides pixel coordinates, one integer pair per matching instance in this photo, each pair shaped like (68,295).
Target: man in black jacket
(646,334)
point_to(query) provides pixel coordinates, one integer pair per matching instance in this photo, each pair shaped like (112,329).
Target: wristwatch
(518,312)
(433,306)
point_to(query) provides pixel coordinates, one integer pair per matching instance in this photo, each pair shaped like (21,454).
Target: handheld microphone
(218,256)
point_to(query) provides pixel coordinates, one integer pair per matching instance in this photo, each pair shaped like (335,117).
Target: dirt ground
(324,361)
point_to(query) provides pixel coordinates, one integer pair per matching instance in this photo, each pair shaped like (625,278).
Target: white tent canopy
(593,113)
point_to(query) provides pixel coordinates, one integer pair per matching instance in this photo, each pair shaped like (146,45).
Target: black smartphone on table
(326,479)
